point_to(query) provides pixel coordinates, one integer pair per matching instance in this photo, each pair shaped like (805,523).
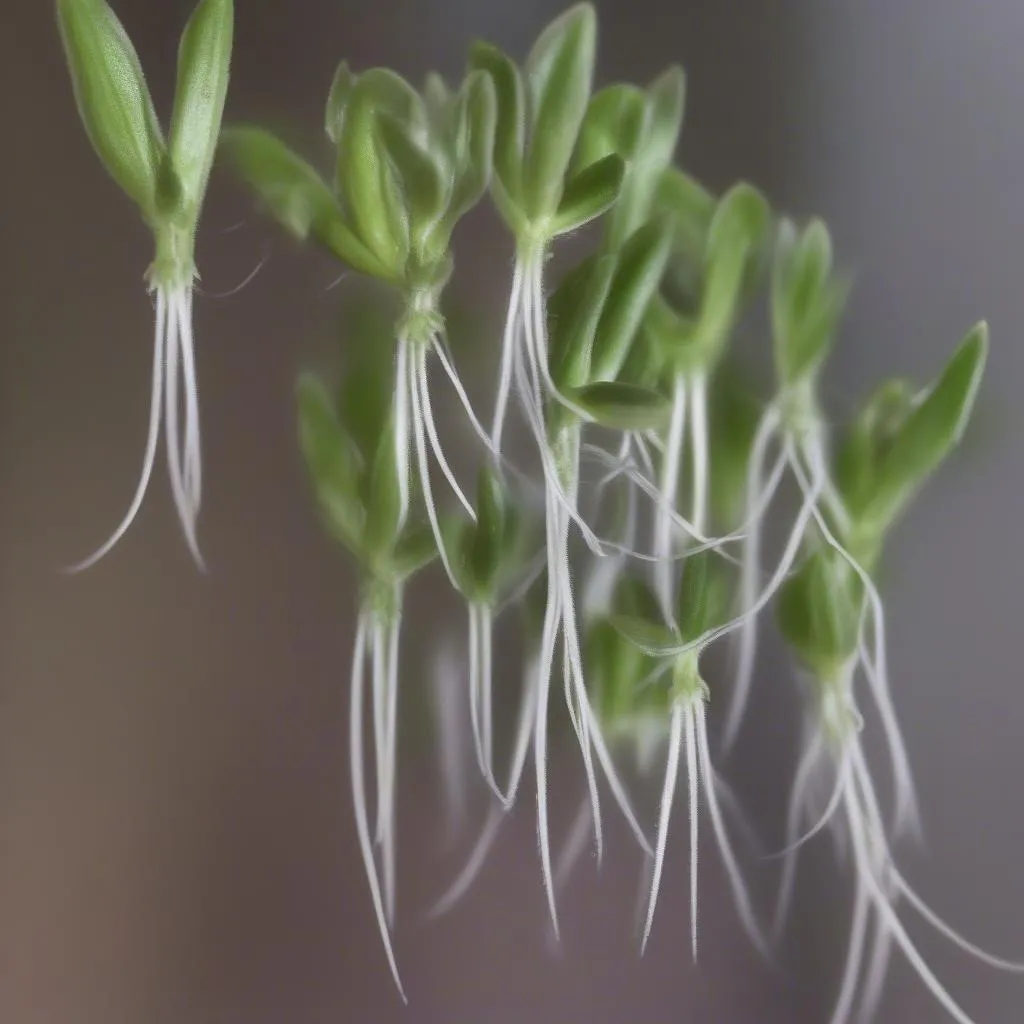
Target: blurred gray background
(175,836)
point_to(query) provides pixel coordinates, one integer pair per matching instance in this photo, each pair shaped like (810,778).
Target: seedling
(166,179)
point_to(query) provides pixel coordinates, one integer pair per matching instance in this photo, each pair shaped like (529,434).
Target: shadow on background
(175,838)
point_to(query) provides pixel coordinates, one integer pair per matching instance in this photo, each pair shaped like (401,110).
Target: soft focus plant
(166,178)
(623,361)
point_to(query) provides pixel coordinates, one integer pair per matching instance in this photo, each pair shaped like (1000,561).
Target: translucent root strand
(480,693)
(193,463)
(152,437)
(484,843)
(628,470)
(549,637)
(466,878)
(875,975)
(732,807)
(533,409)
(904,891)
(508,348)
(599,589)
(576,842)
(693,778)
(884,909)
(379,717)
(746,647)
(614,782)
(359,798)
(645,456)
(537,345)
(679,522)
(502,462)
(700,448)
(890,877)
(404,388)
(182,447)
(664,569)
(827,815)
(813,448)
(571,649)
(420,444)
(741,895)
(435,441)
(487,669)
(810,763)
(447,685)
(668,792)
(854,956)
(521,743)
(782,570)
(391,767)
(907,814)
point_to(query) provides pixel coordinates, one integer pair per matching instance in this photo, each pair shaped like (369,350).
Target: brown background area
(175,838)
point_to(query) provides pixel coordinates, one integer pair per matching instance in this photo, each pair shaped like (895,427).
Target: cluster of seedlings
(616,364)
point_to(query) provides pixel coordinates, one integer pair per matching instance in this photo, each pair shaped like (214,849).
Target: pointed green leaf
(113,98)
(819,611)
(742,217)
(654,638)
(365,176)
(705,595)
(807,300)
(414,550)
(333,463)
(574,311)
(622,406)
(510,127)
(635,599)
(476,113)
(734,239)
(617,670)
(650,155)
(337,101)
(383,511)
(425,183)
(437,97)
(366,393)
(691,207)
(204,66)
(559,73)
(476,121)
(295,195)
(667,97)
(868,438)
(930,432)
(640,268)
(616,122)
(486,549)
(668,332)
(589,194)
(735,413)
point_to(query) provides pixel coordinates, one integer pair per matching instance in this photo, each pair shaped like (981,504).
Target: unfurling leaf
(113,98)
(589,194)
(204,66)
(295,195)
(930,432)
(622,406)
(558,73)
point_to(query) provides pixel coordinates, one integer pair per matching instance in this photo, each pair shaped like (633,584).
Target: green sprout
(166,179)
(704,601)
(828,611)
(623,361)
(356,483)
